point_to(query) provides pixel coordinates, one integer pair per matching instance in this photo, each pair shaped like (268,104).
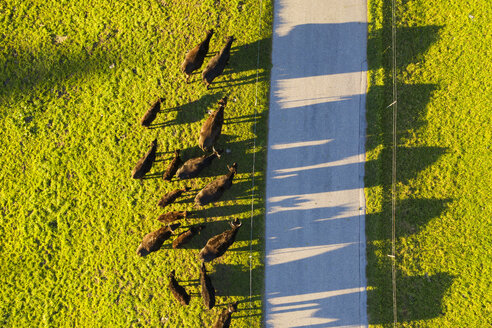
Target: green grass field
(444,164)
(75,79)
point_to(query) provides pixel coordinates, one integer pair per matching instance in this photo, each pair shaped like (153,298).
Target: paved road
(315,242)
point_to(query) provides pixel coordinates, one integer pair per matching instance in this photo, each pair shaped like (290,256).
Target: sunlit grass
(76,77)
(444,211)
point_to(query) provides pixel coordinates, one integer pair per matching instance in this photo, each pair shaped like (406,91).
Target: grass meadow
(444,164)
(75,79)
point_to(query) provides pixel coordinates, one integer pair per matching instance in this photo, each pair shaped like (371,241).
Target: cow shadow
(154,175)
(232,280)
(222,211)
(246,118)
(221,83)
(190,112)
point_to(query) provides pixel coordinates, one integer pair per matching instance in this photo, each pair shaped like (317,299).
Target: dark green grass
(75,78)
(444,212)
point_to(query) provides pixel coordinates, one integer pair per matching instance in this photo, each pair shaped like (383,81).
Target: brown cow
(212,127)
(151,113)
(173,216)
(178,291)
(218,245)
(186,236)
(224,320)
(173,167)
(194,58)
(144,164)
(192,167)
(153,241)
(208,291)
(171,196)
(215,189)
(217,64)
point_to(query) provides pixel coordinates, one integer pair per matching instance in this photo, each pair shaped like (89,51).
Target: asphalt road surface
(315,241)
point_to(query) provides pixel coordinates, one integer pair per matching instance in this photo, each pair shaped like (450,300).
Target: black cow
(218,245)
(171,196)
(224,320)
(208,291)
(217,64)
(153,241)
(212,127)
(172,216)
(194,58)
(144,164)
(173,167)
(178,291)
(192,167)
(215,189)
(151,113)
(186,236)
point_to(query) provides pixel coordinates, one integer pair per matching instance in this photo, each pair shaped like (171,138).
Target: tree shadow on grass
(24,71)
(410,162)
(418,298)
(412,215)
(412,110)
(412,43)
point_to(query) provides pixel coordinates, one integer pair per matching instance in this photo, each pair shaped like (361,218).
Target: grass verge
(76,78)
(444,208)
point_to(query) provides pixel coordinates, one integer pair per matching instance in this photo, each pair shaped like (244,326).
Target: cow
(186,236)
(178,291)
(151,113)
(192,167)
(144,164)
(224,320)
(153,241)
(217,64)
(173,216)
(218,245)
(173,167)
(215,189)
(208,291)
(212,127)
(194,58)
(171,196)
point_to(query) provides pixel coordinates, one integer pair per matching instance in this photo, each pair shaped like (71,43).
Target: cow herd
(191,168)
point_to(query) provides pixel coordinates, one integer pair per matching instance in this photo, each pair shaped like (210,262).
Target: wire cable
(254,161)
(393,164)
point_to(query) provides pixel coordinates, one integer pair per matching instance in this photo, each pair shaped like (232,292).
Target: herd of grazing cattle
(191,168)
